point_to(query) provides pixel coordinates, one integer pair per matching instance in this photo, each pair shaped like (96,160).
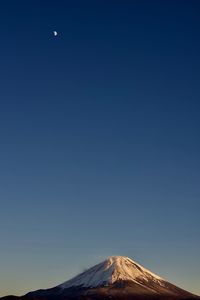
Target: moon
(55,33)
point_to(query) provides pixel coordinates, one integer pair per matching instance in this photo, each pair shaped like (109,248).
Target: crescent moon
(55,33)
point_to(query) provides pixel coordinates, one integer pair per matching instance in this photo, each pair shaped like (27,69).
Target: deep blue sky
(99,139)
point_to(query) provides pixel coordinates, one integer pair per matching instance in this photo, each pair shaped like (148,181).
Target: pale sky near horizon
(99,139)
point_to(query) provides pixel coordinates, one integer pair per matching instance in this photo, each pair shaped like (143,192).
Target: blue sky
(99,139)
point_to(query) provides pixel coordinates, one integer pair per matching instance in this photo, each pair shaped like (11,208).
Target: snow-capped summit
(113,269)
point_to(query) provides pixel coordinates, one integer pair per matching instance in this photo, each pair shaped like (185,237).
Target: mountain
(116,278)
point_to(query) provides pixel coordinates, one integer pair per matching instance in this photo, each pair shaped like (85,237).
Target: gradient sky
(99,139)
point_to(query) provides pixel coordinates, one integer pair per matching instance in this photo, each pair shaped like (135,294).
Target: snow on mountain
(115,268)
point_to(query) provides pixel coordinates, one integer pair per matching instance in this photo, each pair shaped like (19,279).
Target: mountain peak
(113,269)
